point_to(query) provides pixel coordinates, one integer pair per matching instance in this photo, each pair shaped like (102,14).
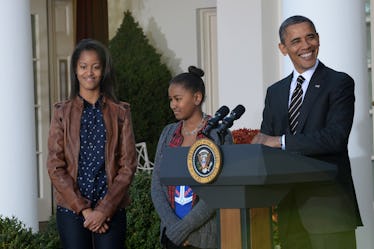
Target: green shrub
(49,237)
(143,224)
(14,235)
(142,81)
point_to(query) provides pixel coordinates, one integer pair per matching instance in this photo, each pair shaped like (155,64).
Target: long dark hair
(191,81)
(108,79)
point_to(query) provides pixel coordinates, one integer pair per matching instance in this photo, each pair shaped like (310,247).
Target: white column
(247,55)
(240,58)
(17,133)
(341,26)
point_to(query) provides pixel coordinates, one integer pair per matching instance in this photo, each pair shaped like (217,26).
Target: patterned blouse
(91,165)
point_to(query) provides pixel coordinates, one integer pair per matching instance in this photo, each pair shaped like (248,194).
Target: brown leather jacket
(63,153)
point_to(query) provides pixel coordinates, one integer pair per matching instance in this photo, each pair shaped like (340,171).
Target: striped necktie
(296,101)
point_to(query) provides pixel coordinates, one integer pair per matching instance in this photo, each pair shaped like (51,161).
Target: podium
(252,176)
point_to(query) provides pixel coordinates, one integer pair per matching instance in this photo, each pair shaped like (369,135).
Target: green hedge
(143,81)
(142,224)
(14,235)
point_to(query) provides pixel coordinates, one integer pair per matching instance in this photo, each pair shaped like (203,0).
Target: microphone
(213,121)
(229,120)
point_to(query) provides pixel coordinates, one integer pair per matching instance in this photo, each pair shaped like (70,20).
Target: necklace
(198,127)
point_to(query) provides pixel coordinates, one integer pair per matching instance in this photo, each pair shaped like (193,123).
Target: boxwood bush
(143,81)
(14,235)
(142,224)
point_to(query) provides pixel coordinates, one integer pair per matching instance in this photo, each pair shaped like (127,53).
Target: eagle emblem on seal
(204,158)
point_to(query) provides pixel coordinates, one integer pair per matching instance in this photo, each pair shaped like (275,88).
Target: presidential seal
(204,160)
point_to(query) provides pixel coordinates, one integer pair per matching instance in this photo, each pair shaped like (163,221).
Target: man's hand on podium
(267,140)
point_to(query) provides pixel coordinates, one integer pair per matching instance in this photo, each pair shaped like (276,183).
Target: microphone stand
(207,134)
(222,134)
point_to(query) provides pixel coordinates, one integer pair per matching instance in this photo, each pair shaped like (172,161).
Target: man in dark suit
(312,115)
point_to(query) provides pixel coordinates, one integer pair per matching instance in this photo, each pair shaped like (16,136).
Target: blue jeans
(74,236)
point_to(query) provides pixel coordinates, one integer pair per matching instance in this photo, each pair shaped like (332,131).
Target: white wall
(170,26)
(248,57)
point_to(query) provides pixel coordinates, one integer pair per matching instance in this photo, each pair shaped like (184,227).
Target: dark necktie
(296,100)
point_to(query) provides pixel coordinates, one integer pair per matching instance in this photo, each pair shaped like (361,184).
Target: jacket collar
(316,86)
(78,101)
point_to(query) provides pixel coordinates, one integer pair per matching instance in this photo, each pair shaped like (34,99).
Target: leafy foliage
(244,135)
(143,224)
(14,235)
(142,81)
(49,237)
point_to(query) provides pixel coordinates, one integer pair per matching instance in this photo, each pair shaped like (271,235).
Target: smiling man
(310,112)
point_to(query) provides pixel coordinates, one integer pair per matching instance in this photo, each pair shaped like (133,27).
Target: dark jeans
(74,236)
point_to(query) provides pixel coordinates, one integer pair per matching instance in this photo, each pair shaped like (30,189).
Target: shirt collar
(177,138)
(98,103)
(307,74)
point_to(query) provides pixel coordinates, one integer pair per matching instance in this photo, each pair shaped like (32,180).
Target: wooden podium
(253,176)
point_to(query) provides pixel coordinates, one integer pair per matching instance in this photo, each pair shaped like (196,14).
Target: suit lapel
(315,87)
(283,102)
